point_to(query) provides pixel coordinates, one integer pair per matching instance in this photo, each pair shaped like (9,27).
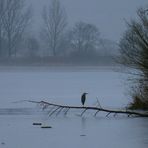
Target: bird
(83,98)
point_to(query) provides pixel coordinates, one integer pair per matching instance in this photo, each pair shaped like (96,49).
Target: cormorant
(83,98)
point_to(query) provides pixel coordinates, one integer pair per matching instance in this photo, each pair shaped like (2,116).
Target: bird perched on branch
(83,98)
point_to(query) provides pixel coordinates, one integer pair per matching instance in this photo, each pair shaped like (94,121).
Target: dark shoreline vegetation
(58,61)
(134,51)
(138,103)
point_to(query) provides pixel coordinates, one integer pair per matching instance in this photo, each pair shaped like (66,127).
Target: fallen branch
(59,108)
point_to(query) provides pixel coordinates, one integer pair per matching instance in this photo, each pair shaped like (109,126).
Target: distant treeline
(57,61)
(54,42)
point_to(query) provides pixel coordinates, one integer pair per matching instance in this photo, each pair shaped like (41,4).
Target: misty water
(64,85)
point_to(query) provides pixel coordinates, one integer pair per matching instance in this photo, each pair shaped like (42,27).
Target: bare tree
(55,21)
(2,12)
(134,53)
(84,37)
(33,46)
(15,21)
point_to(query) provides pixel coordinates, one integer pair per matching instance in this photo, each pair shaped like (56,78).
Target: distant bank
(59,61)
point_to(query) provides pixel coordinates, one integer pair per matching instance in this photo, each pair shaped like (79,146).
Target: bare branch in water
(85,108)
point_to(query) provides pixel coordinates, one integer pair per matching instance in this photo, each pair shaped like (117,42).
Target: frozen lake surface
(65,86)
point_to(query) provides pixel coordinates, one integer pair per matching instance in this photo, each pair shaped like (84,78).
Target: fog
(85,32)
(58,51)
(107,15)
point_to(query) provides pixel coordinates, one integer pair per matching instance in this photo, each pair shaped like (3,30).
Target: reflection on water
(83,126)
(143,130)
(83,122)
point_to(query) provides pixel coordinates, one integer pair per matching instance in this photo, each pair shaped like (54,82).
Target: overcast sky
(107,15)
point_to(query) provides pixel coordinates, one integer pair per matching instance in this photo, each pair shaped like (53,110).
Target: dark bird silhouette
(83,98)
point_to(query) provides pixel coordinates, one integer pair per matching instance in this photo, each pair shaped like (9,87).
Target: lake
(64,85)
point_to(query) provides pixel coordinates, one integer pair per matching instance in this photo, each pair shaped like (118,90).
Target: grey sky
(107,15)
